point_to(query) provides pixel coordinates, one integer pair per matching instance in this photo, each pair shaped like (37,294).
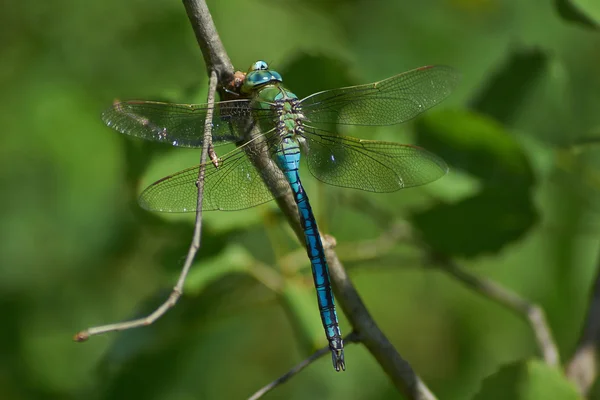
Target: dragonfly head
(259,75)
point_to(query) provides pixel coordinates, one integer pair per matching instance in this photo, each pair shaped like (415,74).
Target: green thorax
(267,91)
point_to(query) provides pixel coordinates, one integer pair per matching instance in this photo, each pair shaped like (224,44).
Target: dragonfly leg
(233,88)
(213,156)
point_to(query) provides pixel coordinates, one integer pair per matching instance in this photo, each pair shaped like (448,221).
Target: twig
(194,246)
(351,338)
(487,288)
(493,291)
(198,14)
(398,369)
(213,51)
(582,369)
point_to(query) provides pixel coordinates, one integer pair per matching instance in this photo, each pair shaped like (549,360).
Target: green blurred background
(520,204)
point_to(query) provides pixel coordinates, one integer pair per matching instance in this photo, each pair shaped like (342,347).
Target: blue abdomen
(288,158)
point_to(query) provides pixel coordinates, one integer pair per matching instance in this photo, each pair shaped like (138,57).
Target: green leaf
(307,74)
(234,259)
(590,8)
(568,11)
(527,380)
(484,223)
(506,92)
(300,305)
(502,211)
(478,145)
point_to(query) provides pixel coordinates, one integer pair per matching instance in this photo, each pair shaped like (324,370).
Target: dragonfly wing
(235,184)
(387,102)
(369,165)
(179,125)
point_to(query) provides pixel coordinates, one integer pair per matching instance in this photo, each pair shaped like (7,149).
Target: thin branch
(219,67)
(582,369)
(493,291)
(398,369)
(194,246)
(351,338)
(487,288)
(213,51)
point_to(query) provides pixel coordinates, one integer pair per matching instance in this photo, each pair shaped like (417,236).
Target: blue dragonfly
(287,127)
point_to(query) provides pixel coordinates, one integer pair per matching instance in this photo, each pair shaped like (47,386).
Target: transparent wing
(390,101)
(180,125)
(370,165)
(234,185)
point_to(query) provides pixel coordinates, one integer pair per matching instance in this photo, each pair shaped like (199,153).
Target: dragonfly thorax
(268,92)
(289,117)
(287,111)
(285,107)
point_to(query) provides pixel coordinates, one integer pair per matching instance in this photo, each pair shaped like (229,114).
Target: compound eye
(260,66)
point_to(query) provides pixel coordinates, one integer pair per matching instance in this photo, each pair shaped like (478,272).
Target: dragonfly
(285,127)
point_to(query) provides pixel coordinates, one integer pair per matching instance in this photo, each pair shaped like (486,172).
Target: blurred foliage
(529,380)
(572,10)
(520,204)
(503,206)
